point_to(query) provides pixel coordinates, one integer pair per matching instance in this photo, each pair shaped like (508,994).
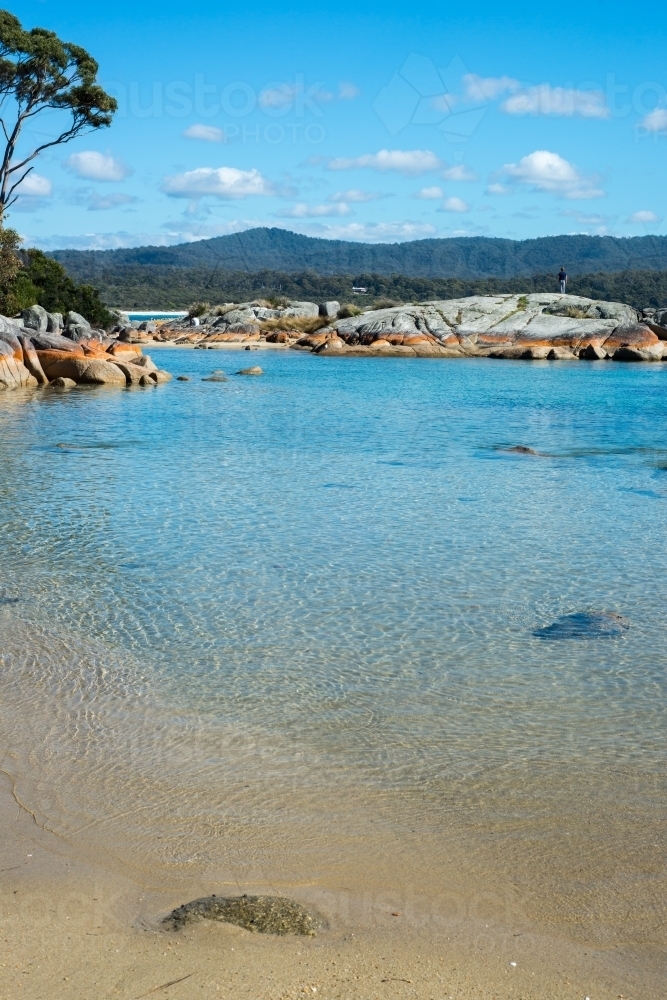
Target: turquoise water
(314,595)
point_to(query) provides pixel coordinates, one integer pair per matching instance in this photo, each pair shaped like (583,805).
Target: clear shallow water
(272,629)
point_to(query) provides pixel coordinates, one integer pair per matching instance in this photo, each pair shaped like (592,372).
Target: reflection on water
(291,629)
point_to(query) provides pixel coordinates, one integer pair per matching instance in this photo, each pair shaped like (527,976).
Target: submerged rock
(261,914)
(521,449)
(63,383)
(255,370)
(585,625)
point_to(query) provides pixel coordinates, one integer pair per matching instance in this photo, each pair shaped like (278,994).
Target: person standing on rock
(562,280)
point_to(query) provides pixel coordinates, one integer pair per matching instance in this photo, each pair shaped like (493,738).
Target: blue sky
(375,121)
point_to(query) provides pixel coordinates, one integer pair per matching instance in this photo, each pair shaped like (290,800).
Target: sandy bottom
(70,928)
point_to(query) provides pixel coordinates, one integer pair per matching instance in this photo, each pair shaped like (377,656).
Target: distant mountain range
(466,257)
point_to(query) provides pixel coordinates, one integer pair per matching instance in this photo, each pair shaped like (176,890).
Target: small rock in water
(262,914)
(182,378)
(585,625)
(255,370)
(520,449)
(63,383)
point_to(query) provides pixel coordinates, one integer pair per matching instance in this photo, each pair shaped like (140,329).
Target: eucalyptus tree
(40,74)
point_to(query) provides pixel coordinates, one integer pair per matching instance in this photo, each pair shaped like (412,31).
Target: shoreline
(70,925)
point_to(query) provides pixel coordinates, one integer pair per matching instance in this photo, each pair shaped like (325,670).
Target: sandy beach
(73,929)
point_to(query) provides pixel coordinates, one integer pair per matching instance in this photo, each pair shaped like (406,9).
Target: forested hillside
(459,257)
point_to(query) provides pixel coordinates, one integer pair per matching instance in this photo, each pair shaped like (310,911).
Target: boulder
(55,322)
(13,373)
(54,342)
(329,308)
(332,345)
(35,318)
(254,370)
(304,310)
(638,337)
(8,325)
(125,352)
(63,383)
(133,373)
(259,914)
(76,319)
(584,625)
(593,353)
(86,371)
(84,334)
(10,338)
(49,358)
(147,380)
(638,354)
(159,375)
(31,361)
(146,362)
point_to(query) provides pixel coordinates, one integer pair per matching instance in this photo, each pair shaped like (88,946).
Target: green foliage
(16,289)
(41,73)
(282,253)
(198,309)
(156,287)
(522,304)
(348,310)
(41,280)
(10,264)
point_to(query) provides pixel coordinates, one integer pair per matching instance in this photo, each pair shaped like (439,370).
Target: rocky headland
(537,326)
(41,349)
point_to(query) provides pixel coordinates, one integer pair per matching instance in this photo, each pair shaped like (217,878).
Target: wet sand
(72,928)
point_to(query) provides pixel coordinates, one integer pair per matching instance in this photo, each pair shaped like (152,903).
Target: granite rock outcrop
(32,355)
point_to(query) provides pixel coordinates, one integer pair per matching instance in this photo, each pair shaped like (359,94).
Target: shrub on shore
(29,277)
(348,310)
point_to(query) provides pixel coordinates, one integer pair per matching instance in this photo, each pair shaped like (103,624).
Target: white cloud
(655,121)
(558,101)
(220,182)
(455,205)
(95,166)
(101,203)
(409,162)
(430,193)
(347,91)
(478,88)
(303,211)
(280,96)
(545,171)
(355,195)
(496,188)
(372,232)
(459,172)
(586,218)
(35,186)
(175,232)
(208,133)
(645,217)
